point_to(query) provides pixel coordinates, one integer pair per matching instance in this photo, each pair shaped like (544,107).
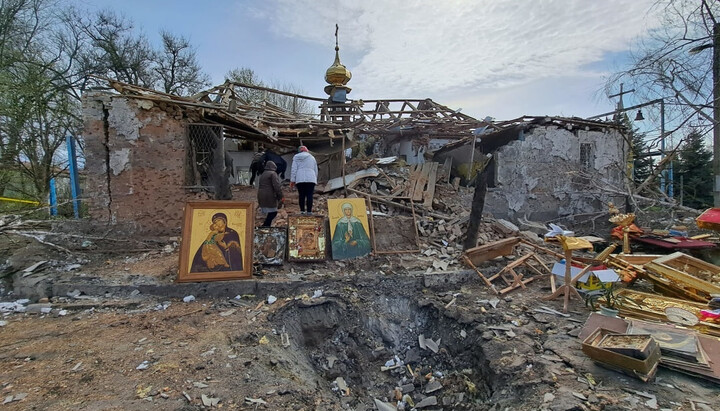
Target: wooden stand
(508,274)
(566,289)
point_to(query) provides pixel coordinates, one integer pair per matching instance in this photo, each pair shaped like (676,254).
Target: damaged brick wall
(541,176)
(135,159)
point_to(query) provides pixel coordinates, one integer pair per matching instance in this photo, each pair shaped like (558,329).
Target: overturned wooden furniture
(508,274)
(683,276)
(486,252)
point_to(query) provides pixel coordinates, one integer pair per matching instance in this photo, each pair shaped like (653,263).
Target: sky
(497,58)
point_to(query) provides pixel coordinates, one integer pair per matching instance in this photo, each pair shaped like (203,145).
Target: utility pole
(620,105)
(716,114)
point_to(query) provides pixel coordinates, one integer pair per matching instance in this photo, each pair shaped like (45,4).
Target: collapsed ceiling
(248,112)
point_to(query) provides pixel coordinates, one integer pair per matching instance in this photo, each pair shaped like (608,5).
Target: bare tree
(666,64)
(177,66)
(244,75)
(252,96)
(116,51)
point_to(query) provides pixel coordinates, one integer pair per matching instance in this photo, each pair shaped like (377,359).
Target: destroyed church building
(148,152)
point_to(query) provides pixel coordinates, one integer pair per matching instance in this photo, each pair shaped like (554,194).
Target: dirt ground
(353,335)
(356,342)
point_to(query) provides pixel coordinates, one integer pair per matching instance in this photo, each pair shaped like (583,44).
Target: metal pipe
(649,103)
(662,144)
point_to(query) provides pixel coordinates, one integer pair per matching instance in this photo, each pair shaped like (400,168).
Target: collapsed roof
(247,113)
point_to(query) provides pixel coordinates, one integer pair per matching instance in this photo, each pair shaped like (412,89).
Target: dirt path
(490,355)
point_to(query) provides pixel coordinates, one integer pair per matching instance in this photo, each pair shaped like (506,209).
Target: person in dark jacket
(270,195)
(279,162)
(256,166)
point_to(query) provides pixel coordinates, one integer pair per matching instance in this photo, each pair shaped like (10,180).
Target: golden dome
(337,74)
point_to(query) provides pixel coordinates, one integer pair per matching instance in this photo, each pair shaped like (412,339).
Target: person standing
(256,166)
(304,174)
(270,195)
(280,162)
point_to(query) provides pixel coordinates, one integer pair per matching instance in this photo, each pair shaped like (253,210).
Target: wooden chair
(508,275)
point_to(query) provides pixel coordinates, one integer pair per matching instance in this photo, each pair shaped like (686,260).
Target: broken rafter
(385,201)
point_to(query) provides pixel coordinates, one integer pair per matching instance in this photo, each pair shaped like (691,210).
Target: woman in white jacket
(304,174)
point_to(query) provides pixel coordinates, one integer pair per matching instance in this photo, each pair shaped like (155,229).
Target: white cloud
(423,48)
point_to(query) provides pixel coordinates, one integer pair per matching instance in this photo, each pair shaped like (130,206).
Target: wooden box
(637,345)
(643,369)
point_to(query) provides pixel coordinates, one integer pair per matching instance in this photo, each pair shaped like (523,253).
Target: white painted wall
(540,177)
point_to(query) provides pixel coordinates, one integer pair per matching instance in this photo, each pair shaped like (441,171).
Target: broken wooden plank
(337,183)
(492,250)
(430,192)
(422,179)
(398,205)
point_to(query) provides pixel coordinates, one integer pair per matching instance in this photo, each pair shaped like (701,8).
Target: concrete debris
(406,388)
(341,386)
(200,385)
(39,308)
(384,406)
(162,306)
(433,386)
(17,306)
(189,299)
(579,396)
(209,401)
(227,313)
(271,299)
(431,345)
(208,352)
(427,402)
(548,397)
(505,227)
(14,398)
(33,268)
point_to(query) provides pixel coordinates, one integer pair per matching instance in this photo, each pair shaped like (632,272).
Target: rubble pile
(508,324)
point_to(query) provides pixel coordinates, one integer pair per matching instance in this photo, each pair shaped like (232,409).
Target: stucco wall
(540,177)
(135,164)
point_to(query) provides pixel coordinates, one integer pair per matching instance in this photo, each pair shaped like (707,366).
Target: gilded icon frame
(217,241)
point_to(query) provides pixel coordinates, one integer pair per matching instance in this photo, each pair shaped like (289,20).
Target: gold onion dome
(337,74)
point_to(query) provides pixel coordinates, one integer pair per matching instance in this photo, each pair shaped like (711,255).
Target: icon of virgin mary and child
(221,249)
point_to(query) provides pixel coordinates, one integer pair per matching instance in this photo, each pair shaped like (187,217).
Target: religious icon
(219,236)
(306,238)
(349,228)
(270,245)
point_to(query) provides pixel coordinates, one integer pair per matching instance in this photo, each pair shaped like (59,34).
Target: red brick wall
(135,164)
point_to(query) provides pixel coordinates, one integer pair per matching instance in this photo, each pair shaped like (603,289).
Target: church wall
(544,175)
(135,163)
